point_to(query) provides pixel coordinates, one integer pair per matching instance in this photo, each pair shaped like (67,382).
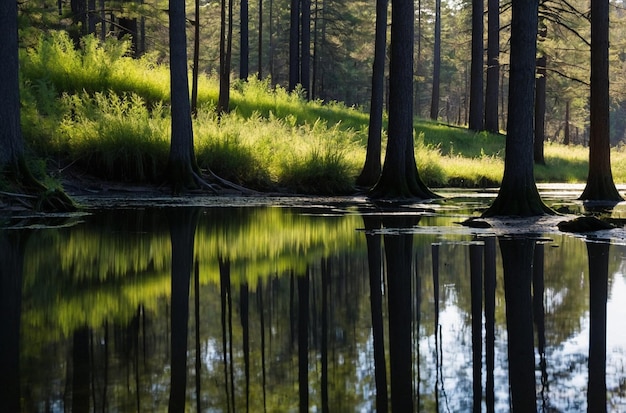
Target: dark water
(307,309)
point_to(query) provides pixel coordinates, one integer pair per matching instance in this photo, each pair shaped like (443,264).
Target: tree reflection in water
(335,311)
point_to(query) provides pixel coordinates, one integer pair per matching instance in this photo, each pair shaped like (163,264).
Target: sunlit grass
(98,108)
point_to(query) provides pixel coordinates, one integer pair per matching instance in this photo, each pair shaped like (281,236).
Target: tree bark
(305,47)
(518,194)
(181,164)
(371,170)
(244,47)
(540,110)
(476,115)
(600,184)
(294,46)
(400,177)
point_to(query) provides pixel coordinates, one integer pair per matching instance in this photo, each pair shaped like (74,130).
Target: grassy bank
(107,114)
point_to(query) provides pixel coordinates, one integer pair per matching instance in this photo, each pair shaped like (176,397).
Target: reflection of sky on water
(566,363)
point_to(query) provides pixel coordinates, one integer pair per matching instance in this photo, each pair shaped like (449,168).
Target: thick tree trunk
(492,88)
(182,163)
(476,115)
(371,170)
(399,177)
(11,144)
(600,184)
(518,193)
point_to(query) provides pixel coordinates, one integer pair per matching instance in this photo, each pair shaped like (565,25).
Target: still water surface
(279,309)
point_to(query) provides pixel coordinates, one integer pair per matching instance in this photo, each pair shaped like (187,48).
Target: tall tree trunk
(182,160)
(492,88)
(226,33)
(400,177)
(244,46)
(476,115)
(305,47)
(518,194)
(434,101)
(600,185)
(371,170)
(260,47)
(566,131)
(11,143)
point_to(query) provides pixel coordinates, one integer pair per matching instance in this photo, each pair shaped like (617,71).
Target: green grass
(108,114)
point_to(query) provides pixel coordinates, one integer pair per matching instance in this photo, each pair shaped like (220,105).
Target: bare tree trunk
(476,115)
(492,88)
(434,102)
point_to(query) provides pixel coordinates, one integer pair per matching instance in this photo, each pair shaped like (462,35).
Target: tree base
(518,203)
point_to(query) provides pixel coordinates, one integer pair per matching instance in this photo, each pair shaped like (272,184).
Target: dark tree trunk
(182,231)
(600,185)
(244,47)
(518,193)
(226,43)
(517,260)
(540,102)
(400,177)
(476,287)
(434,101)
(476,111)
(11,144)
(260,44)
(566,122)
(128,27)
(80,370)
(244,304)
(492,88)
(294,45)
(182,160)
(371,170)
(305,47)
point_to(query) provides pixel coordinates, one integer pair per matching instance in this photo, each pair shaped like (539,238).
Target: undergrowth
(99,109)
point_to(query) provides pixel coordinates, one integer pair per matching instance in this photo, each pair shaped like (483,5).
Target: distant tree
(260,44)
(476,112)
(182,167)
(244,46)
(294,45)
(492,89)
(518,194)
(540,102)
(371,170)
(305,46)
(600,185)
(400,177)
(434,101)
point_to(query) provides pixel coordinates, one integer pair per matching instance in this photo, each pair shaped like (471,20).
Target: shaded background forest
(342,49)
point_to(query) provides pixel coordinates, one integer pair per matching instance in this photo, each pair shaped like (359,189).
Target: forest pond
(313,306)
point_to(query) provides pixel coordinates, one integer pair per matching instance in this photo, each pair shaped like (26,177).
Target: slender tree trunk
(566,132)
(244,47)
(371,170)
(600,184)
(305,47)
(260,52)
(434,102)
(476,115)
(294,45)
(492,88)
